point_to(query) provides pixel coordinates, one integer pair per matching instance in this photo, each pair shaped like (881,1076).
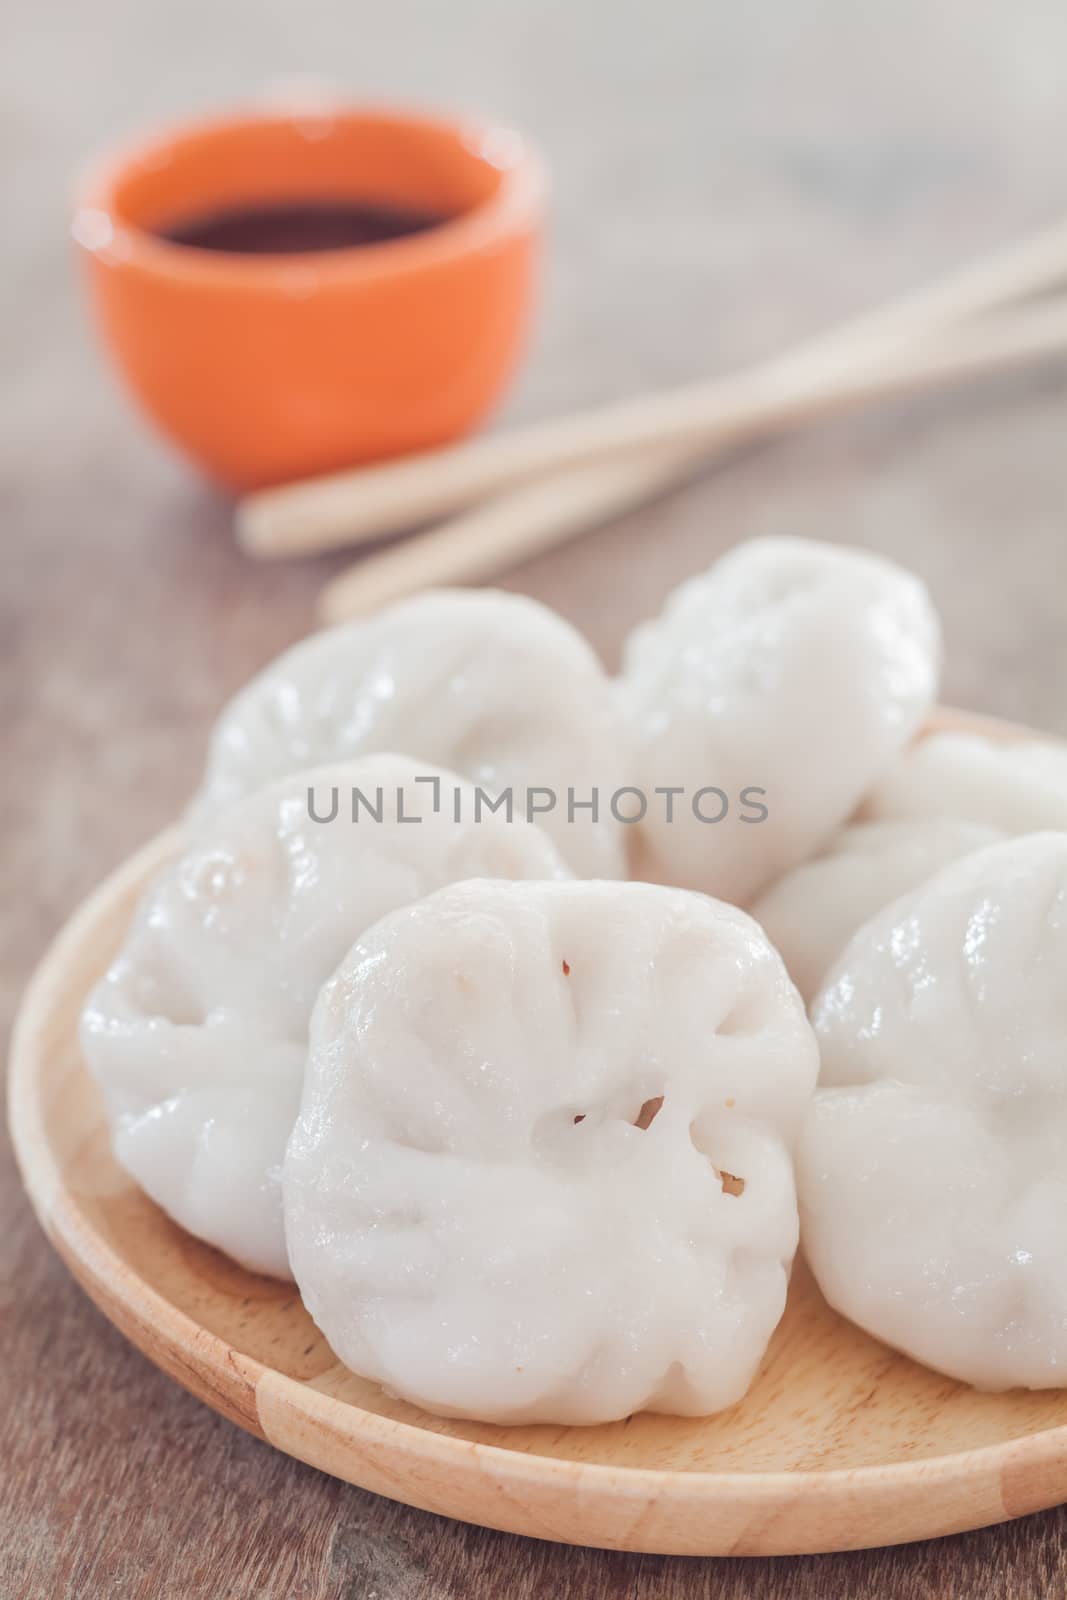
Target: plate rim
(97,1265)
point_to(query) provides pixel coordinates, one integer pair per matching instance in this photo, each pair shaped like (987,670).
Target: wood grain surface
(727,177)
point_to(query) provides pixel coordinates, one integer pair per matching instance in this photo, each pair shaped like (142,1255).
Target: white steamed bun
(1018,786)
(198,1032)
(811,914)
(512,1190)
(933,1165)
(493,686)
(792,668)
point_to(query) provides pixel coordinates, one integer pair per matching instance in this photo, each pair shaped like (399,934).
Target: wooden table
(727,178)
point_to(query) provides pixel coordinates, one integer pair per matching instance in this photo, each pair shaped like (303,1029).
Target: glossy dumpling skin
(811,914)
(933,1165)
(791,667)
(198,1032)
(1019,786)
(493,686)
(508,1194)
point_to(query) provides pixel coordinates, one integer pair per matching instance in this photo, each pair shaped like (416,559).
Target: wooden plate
(840,1443)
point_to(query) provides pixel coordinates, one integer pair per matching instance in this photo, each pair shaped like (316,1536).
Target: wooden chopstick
(351,507)
(503,532)
(539,515)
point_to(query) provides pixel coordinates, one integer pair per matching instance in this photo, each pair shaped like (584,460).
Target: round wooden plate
(839,1444)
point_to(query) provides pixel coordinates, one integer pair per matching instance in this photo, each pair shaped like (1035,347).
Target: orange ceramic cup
(266,368)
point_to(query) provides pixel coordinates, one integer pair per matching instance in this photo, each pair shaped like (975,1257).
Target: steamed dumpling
(811,914)
(198,1033)
(1018,786)
(542,1169)
(933,1166)
(493,686)
(787,677)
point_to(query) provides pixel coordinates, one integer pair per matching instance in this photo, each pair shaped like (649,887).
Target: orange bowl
(266,368)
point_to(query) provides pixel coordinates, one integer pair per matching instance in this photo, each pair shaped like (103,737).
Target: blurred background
(726,179)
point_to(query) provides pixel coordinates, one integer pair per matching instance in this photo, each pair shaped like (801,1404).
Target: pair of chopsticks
(523,492)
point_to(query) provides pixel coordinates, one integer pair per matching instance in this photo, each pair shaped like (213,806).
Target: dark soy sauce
(293,227)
